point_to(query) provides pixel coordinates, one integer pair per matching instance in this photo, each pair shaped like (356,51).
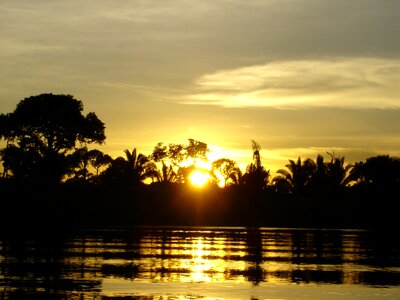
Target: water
(202,263)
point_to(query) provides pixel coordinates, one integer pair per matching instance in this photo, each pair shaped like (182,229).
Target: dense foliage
(40,133)
(49,171)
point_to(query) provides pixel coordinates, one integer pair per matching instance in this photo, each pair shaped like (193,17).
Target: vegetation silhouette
(133,169)
(256,176)
(82,159)
(228,170)
(52,177)
(40,133)
(171,158)
(297,178)
(317,176)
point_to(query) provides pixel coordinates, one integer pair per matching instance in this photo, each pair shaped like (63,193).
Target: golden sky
(300,77)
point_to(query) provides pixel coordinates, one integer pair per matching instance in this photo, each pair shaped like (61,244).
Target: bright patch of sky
(342,82)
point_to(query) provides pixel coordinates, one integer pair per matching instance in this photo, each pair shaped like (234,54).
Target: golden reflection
(276,249)
(210,261)
(120,265)
(351,254)
(201,265)
(193,259)
(255,256)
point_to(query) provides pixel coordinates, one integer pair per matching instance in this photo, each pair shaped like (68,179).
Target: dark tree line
(47,138)
(52,175)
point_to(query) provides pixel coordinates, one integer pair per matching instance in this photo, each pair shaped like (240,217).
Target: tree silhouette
(83,158)
(237,177)
(80,161)
(140,166)
(297,177)
(331,176)
(256,175)
(319,180)
(6,133)
(313,176)
(338,173)
(379,171)
(172,157)
(131,170)
(46,127)
(228,169)
(196,150)
(23,164)
(166,174)
(173,154)
(98,160)
(176,154)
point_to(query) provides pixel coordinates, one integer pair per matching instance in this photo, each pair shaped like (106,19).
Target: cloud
(341,82)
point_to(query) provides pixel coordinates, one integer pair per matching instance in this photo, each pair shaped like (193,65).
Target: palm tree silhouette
(133,169)
(318,176)
(337,173)
(167,174)
(297,177)
(140,166)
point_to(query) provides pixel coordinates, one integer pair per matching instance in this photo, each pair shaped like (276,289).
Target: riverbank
(70,206)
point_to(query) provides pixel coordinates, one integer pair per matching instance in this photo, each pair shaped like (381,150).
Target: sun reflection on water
(201,265)
(192,263)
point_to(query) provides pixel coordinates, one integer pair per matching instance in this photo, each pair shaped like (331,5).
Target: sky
(300,77)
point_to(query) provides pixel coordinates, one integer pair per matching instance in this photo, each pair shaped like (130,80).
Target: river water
(202,263)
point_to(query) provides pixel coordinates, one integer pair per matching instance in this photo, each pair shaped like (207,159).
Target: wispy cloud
(341,82)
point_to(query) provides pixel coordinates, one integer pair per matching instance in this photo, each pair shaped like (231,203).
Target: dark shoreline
(88,206)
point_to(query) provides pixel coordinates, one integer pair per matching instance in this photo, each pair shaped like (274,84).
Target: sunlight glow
(198,163)
(199,178)
(201,265)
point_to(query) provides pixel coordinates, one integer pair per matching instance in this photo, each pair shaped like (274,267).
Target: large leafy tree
(41,131)
(379,171)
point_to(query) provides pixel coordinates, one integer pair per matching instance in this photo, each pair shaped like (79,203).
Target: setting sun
(198,178)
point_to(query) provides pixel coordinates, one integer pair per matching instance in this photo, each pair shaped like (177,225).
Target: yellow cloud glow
(342,82)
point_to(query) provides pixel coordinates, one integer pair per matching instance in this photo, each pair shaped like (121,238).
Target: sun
(199,178)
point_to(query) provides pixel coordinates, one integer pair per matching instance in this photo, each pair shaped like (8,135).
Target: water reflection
(76,266)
